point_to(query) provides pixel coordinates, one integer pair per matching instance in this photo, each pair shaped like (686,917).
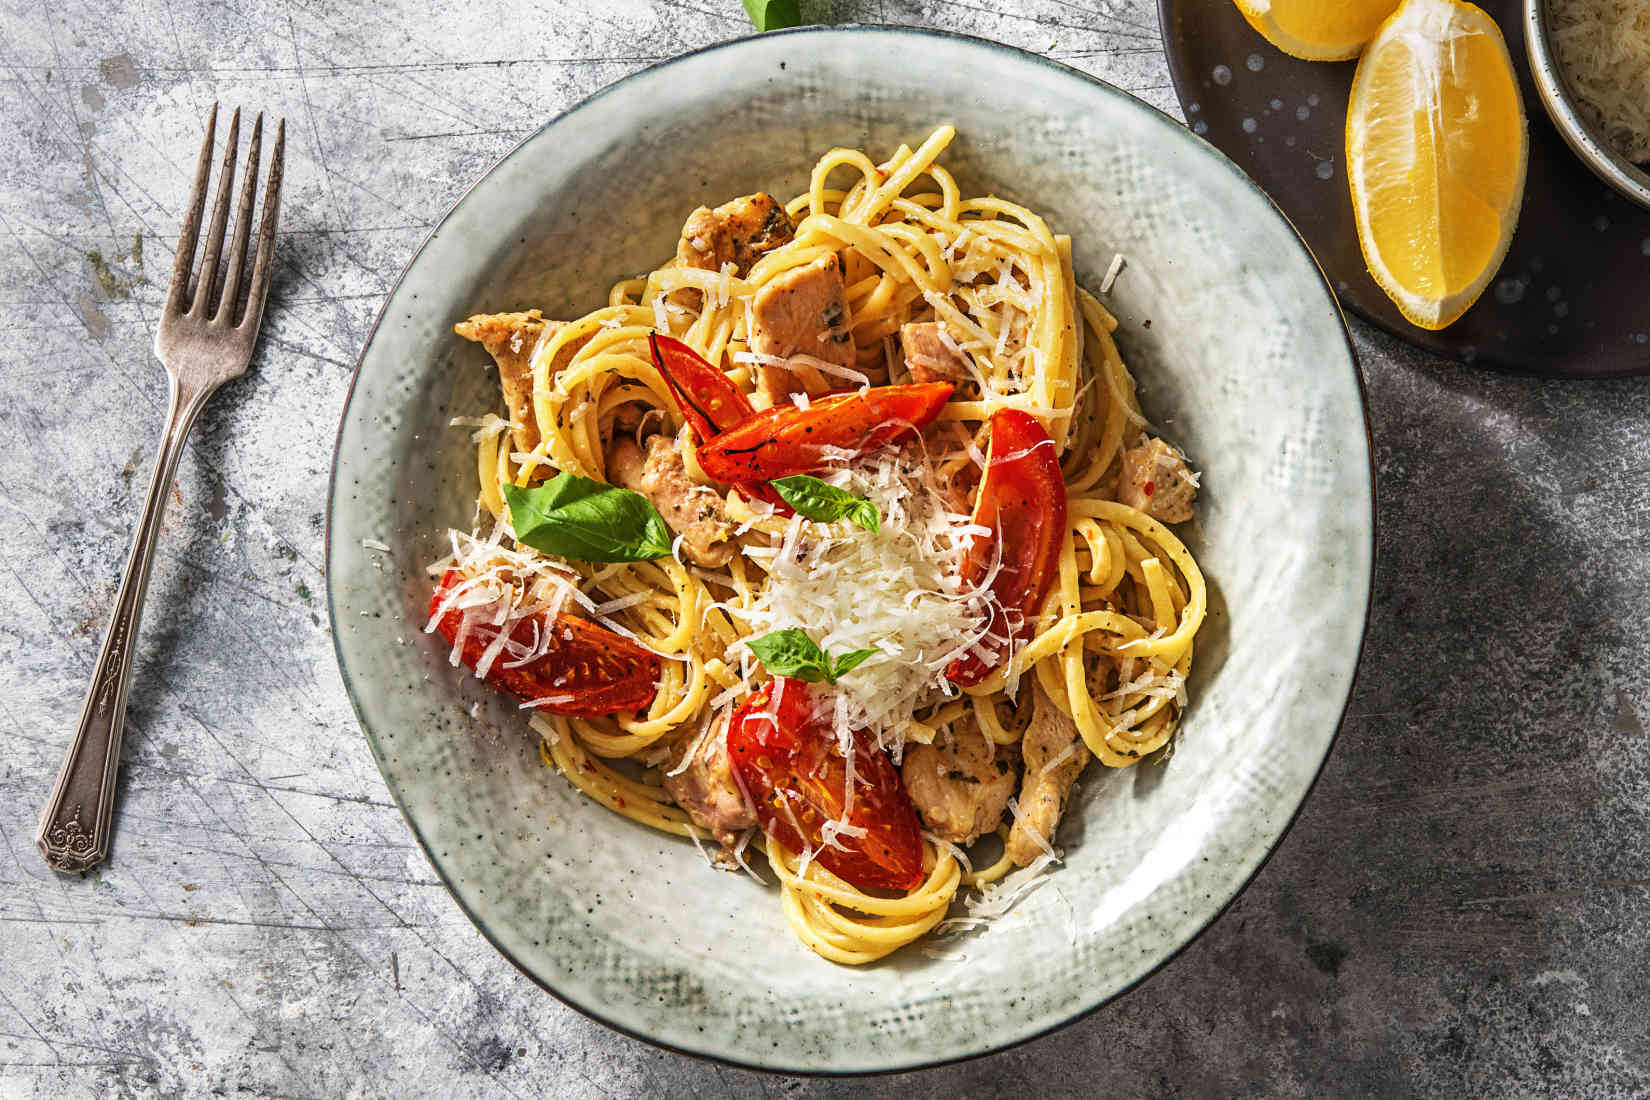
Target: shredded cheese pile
(1603,47)
(898,591)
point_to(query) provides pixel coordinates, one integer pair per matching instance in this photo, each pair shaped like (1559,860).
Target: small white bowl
(1563,108)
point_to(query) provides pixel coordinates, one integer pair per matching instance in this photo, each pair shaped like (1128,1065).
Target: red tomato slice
(710,403)
(795,774)
(786,439)
(587,669)
(1023,501)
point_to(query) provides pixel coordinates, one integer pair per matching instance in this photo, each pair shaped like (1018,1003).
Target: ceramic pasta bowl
(1241,354)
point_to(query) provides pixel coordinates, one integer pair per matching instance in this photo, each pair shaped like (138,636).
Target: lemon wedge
(1317,30)
(1436,148)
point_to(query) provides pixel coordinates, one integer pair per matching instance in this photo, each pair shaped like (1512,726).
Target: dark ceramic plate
(1572,299)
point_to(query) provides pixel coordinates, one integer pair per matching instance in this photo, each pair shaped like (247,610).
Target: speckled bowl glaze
(1243,360)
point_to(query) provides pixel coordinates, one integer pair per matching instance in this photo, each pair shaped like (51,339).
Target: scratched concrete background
(1460,911)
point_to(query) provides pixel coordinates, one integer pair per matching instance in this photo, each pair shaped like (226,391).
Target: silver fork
(202,344)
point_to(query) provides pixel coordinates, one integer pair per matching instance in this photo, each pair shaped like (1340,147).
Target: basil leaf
(850,661)
(584,520)
(866,515)
(792,653)
(771,15)
(817,500)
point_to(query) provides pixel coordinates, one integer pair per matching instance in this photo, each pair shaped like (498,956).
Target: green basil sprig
(792,653)
(585,520)
(817,500)
(771,15)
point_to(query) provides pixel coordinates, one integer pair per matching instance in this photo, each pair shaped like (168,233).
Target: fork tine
(192,221)
(266,234)
(220,216)
(243,226)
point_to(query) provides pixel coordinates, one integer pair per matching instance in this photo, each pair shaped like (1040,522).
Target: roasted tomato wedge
(1023,501)
(796,775)
(786,439)
(710,403)
(585,671)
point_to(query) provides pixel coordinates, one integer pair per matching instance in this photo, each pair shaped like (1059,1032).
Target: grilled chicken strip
(1044,789)
(510,339)
(696,512)
(962,787)
(928,356)
(802,312)
(738,232)
(1157,481)
(706,788)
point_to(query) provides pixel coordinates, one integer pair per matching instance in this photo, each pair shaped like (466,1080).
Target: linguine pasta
(1114,642)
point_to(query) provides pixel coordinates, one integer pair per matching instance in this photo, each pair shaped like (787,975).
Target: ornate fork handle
(205,337)
(75,829)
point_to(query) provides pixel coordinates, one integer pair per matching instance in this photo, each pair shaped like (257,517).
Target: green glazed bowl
(1243,359)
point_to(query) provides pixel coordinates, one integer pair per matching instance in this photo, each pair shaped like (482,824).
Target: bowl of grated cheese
(1591,63)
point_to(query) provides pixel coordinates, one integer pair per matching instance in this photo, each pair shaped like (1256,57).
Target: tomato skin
(787,761)
(1023,501)
(788,439)
(601,672)
(709,401)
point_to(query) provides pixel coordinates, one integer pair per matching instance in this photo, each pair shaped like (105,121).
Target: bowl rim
(1600,157)
(595,1011)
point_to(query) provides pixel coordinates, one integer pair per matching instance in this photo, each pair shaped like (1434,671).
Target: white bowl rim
(1179,132)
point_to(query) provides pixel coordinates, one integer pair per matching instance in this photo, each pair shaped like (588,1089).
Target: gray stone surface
(1459,911)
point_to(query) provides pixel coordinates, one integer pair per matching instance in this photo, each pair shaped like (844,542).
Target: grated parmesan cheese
(1065,754)
(997,900)
(486,427)
(739,854)
(502,588)
(724,284)
(1603,46)
(1112,272)
(693,835)
(622,602)
(898,591)
(792,362)
(705,726)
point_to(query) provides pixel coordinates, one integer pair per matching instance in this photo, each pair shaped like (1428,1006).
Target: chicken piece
(802,312)
(1101,674)
(929,356)
(1044,789)
(696,512)
(1157,481)
(510,338)
(630,417)
(737,232)
(707,790)
(961,788)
